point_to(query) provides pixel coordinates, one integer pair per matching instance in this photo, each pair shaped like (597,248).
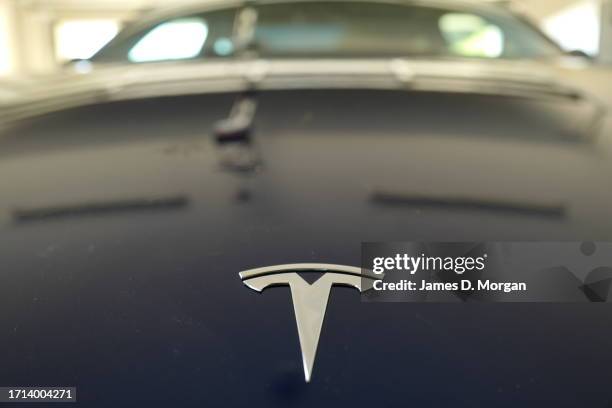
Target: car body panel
(122,237)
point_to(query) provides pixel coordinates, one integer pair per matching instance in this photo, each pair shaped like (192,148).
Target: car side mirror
(81,66)
(579,54)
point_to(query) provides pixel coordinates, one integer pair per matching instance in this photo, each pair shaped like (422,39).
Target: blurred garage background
(38,36)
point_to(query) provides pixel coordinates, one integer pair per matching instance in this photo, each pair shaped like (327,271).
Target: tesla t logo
(309,299)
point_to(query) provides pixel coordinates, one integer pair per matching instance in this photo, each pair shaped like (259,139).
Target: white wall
(27,29)
(574,24)
(9,60)
(606,33)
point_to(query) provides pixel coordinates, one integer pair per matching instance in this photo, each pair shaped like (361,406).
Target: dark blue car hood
(122,237)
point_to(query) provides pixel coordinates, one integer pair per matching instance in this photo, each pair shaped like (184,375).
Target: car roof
(201,5)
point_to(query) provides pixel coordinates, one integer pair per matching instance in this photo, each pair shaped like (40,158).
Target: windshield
(336,30)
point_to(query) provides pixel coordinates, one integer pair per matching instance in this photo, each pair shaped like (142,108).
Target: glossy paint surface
(122,236)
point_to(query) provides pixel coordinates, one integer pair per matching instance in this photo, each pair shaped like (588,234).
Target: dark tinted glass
(336,29)
(378,29)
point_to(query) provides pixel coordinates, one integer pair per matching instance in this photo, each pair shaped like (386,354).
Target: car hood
(123,231)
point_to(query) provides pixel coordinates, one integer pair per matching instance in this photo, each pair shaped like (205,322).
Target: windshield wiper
(245,25)
(460,77)
(233,136)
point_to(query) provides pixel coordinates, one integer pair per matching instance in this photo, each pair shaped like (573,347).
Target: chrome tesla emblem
(309,300)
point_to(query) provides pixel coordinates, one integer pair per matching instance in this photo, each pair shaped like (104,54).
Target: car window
(172,40)
(344,28)
(202,35)
(469,35)
(336,29)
